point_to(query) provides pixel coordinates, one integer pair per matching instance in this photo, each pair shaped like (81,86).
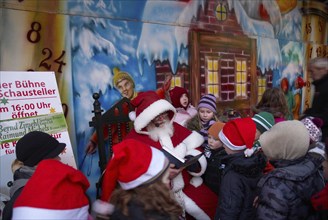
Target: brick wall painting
(233,48)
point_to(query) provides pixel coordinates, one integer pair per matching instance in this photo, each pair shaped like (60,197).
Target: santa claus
(153,124)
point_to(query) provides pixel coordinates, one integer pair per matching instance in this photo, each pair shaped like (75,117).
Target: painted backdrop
(83,41)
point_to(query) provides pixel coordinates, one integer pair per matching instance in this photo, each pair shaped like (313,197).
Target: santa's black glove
(195,168)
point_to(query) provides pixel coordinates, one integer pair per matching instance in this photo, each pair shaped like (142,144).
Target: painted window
(176,81)
(212,75)
(261,82)
(241,79)
(221,12)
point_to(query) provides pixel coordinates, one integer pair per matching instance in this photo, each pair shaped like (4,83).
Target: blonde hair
(16,164)
(201,126)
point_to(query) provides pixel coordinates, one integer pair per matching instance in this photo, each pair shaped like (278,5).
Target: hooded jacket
(285,192)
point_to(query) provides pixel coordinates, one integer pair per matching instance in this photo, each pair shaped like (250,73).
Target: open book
(180,162)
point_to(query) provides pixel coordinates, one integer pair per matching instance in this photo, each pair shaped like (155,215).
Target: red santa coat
(200,201)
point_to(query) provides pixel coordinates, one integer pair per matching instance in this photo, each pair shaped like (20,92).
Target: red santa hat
(55,191)
(148,105)
(133,164)
(238,134)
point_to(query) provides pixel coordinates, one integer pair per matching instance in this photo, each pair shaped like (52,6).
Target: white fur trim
(193,209)
(102,207)
(230,145)
(196,181)
(132,115)
(249,152)
(193,140)
(318,151)
(32,213)
(180,150)
(202,160)
(153,110)
(157,164)
(177,183)
(165,140)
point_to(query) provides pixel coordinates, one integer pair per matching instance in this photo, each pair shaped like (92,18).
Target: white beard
(155,133)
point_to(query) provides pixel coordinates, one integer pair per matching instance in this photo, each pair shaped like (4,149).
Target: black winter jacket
(213,172)
(320,104)
(239,186)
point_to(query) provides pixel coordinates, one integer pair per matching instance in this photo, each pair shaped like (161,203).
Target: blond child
(212,175)
(16,164)
(206,116)
(31,149)
(55,191)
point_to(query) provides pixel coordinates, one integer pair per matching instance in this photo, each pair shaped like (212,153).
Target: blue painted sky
(130,35)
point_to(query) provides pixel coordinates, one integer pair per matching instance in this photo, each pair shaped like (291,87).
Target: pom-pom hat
(148,105)
(175,95)
(314,127)
(133,164)
(207,101)
(36,146)
(264,121)
(238,134)
(55,191)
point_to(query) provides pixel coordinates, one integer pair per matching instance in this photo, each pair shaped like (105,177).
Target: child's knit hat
(215,129)
(314,127)
(207,101)
(264,121)
(175,95)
